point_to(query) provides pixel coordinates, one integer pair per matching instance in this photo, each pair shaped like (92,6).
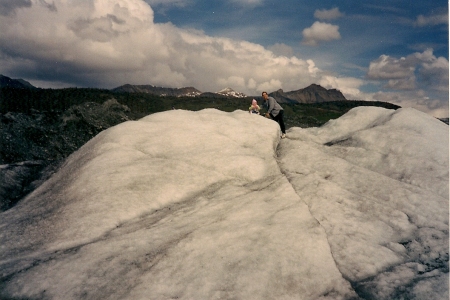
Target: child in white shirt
(254,108)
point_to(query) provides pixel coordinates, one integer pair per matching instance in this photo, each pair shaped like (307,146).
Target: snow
(208,204)
(232,93)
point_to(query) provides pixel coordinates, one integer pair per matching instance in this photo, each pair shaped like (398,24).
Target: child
(254,108)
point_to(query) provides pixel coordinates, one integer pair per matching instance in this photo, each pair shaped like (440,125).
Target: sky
(395,51)
(216,206)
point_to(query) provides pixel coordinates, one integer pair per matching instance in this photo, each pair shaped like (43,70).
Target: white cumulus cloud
(419,80)
(406,73)
(320,32)
(107,43)
(349,86)
(281,49)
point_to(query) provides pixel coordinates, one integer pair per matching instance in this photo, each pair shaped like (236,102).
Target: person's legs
(281,121)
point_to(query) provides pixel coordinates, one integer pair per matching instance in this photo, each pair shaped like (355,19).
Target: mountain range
(159,91)
(15,83)
(311,94)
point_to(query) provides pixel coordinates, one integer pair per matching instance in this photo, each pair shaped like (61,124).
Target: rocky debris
(52,135)
(17,180)
(31,144)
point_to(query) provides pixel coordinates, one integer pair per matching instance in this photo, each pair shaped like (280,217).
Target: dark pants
(279,119)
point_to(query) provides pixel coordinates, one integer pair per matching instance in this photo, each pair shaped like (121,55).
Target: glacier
(214,205)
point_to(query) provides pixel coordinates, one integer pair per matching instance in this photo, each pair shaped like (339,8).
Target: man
(275,112)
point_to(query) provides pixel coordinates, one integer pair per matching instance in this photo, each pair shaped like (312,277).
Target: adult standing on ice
(275,112)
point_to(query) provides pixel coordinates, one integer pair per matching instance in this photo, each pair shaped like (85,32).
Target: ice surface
(208,204)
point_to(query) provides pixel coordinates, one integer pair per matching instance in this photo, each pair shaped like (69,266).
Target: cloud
(431,20)
(49,6)
(435,73)
(408,83)
(419,80)
(415,70)
(247,2)
(320,32)
(281,49)
(178,3)
(386,67)
(331,14)
(349,86)
(106,43)
(8,7)
(416,99)
(384,8)
(100,29)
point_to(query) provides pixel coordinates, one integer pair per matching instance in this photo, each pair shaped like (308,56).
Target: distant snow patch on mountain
(158,91)
(231,93)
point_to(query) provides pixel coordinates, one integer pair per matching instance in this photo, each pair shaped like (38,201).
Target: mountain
(229,92)
(176,92)
(15,83)
(311,94)
(159,91)
(213,95)
(209,204)
(445,120)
